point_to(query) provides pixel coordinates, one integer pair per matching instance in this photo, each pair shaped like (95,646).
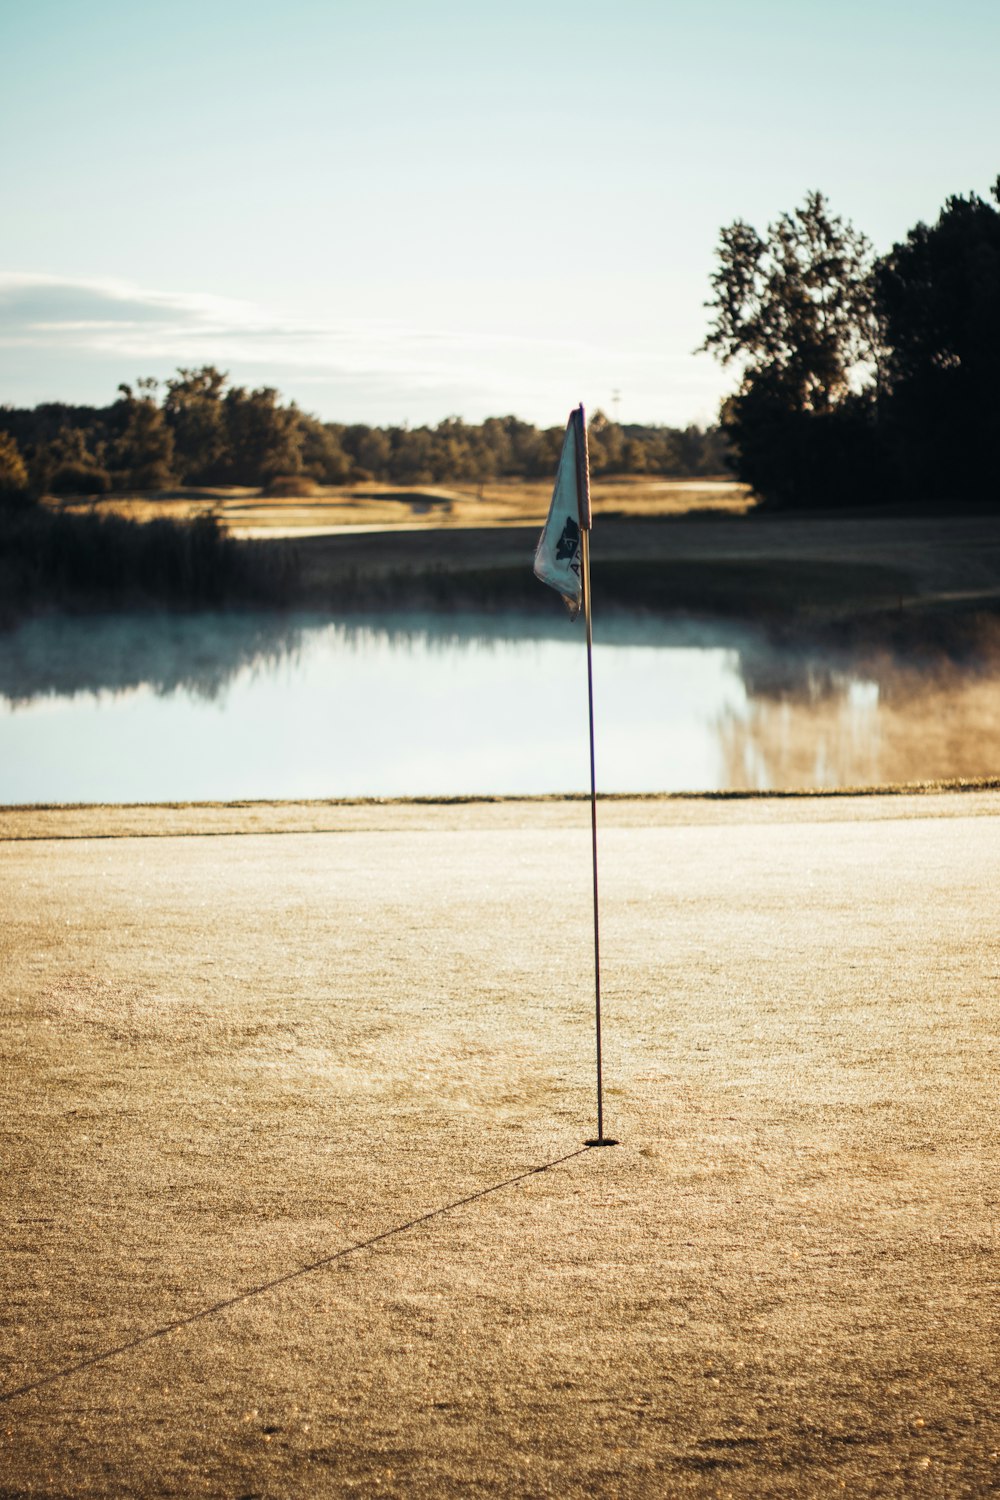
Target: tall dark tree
(797,305)
(796,311)
(939,291)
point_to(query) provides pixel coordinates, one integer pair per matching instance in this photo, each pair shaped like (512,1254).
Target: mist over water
(228,706)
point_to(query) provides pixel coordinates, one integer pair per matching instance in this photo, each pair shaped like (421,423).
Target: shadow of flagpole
(267,1286)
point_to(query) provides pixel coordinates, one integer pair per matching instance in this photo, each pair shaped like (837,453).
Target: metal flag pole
(583,493)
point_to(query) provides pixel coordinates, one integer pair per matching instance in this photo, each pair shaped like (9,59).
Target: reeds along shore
(51,559)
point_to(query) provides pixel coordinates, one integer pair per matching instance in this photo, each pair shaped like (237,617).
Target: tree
(13,471)
(939,291)
(144,451)
(323,458)
(606,444)
(412,456)
(194,411)
(496,440)
(264,439)
(798,306)
(796,310)
(452,455)
(370,449)
(74,467)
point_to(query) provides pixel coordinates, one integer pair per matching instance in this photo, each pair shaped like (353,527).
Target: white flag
(558,554)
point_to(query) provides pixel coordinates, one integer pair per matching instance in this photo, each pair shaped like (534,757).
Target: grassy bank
(753,566)
(667,548)
(756,588)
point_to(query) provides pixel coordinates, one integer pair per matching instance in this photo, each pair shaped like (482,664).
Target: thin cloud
(108,315)
(360,369)
(35,307)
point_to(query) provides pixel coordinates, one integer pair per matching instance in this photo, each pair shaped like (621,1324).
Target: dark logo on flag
(569,542)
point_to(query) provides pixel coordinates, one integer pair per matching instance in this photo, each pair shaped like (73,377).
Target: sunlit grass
(504,503)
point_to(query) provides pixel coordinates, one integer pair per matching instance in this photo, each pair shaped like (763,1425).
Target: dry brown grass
(248,513)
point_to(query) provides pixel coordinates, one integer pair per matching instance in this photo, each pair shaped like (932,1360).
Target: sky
(396,212)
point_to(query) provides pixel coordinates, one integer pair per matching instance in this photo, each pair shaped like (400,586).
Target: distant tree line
(201,430)
(864,379)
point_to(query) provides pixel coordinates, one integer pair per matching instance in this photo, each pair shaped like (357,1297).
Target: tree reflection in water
(923,707)
(197,654)
(682,704)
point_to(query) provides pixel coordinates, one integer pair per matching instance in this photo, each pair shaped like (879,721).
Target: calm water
(155,708)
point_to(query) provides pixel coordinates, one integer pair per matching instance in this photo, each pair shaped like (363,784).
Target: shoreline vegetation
(696,548)
(86,561)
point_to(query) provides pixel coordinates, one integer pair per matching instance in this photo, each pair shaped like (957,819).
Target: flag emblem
(568,545)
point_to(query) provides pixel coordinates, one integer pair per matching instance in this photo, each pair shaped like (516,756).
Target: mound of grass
(288,486)
(80,479)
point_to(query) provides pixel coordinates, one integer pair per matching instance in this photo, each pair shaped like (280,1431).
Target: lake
(146,707)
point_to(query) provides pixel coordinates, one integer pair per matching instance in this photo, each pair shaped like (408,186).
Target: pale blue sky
(396,211)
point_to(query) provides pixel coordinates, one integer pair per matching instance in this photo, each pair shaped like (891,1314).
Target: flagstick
(562,560)
(583,490)
(585,560)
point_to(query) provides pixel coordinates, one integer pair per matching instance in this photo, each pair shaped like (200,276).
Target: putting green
(238,1049)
